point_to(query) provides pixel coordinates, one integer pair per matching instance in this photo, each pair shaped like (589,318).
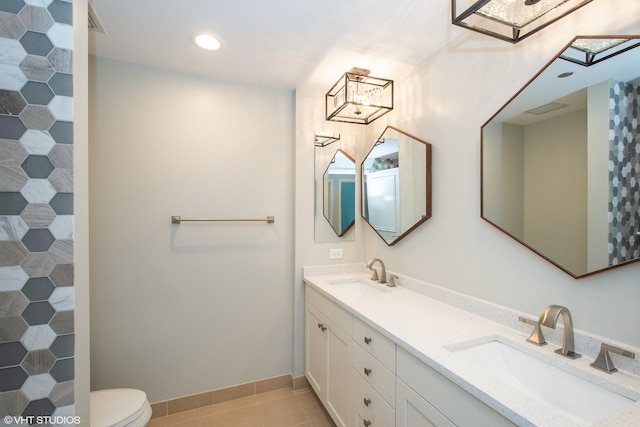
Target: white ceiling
(280,43)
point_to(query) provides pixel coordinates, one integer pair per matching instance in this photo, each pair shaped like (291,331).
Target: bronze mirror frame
(498,120)
(323,232)
(424,215)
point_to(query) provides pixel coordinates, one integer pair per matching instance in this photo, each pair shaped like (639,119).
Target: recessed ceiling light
(207,41)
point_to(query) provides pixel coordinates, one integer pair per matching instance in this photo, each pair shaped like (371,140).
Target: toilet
(119,407)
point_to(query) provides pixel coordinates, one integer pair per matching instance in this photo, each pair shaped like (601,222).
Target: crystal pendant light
(359,98)
(510,20)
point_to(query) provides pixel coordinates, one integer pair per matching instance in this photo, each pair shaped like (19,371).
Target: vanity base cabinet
(328,355)
(424,397)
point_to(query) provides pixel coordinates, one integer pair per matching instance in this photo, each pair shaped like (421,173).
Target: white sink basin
(357,287)
(582,401)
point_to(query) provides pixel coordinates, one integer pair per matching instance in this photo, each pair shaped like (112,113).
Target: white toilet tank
(119,407)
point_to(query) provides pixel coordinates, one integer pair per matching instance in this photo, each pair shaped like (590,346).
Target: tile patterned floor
(279,408)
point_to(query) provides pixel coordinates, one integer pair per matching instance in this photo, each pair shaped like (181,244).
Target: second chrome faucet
(382,278)
(549,318)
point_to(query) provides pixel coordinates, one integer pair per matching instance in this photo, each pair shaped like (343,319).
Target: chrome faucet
(383,270)
(549,318)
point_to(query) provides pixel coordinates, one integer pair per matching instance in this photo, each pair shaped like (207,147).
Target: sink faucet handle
(375,275)
(604,363)
(536,336)
(393,280)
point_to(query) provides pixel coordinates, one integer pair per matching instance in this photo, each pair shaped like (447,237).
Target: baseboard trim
(300,383)
(187,403)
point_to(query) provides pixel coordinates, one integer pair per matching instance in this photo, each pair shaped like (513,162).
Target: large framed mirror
(339,184)
(561,159)
(335,176)
(396,184)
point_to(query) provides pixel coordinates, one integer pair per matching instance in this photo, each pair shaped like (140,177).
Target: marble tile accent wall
(624,172)
(36,208)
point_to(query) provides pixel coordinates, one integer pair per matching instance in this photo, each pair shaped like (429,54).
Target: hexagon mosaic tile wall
(36,208)
(624,172)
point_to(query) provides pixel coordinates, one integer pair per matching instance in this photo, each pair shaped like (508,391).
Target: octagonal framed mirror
(560,160)
(396,184)
(324,213)
(339,192)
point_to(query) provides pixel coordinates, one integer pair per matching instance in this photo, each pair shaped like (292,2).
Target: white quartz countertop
(429,329)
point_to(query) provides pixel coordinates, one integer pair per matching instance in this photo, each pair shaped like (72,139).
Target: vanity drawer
(368,406)
(375,374)
(332,311)
(381,347)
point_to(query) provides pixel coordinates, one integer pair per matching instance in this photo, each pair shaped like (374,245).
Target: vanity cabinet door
(315,351)
(413,411)
(338,367)
(328,355)
(452,404)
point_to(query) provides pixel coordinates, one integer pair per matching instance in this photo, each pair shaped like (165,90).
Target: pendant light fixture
(359,98)
(587,51)
(510,20)
(324,138)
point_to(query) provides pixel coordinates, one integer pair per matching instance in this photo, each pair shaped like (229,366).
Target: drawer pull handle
(367,340)
(367,371)
(322,327)
(367,423)
(367,402)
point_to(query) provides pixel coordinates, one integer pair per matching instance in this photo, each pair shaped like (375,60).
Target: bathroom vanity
(417,355)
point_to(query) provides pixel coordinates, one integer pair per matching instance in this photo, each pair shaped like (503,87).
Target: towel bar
(177,219)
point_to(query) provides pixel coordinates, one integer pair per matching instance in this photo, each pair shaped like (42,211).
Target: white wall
(445,102)
(81,212)
(181,309)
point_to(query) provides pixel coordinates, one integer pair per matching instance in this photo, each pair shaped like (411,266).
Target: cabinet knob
(367,340)
(322,327)
(367,371)
(367,402)
(366,423)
